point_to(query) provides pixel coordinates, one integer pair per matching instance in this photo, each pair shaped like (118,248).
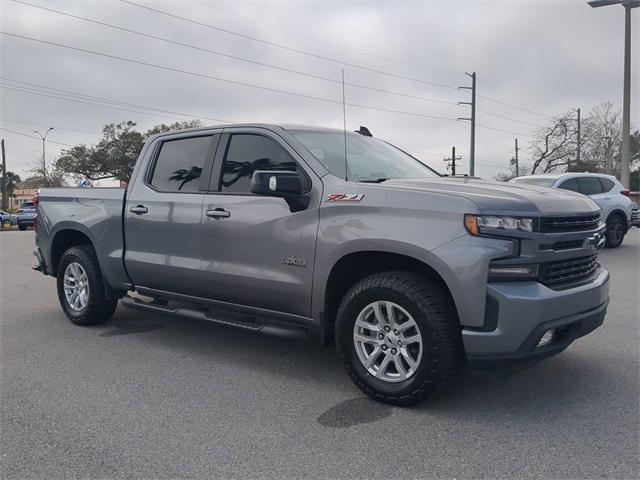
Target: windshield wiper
(374,180)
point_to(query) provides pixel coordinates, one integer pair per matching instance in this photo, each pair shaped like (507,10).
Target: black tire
(22,227)
(6,224)
(434,313)
(98,308)
(615,231)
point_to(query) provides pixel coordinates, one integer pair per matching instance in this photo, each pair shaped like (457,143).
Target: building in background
(21,195)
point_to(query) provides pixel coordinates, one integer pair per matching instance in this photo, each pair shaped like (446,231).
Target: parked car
(410,273)
(635,215)
(26,217)
(605,190)
(7,219)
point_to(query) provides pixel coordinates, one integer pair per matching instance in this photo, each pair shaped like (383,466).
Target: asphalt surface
(147,396)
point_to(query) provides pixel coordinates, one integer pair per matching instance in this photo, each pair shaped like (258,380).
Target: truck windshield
(368,159)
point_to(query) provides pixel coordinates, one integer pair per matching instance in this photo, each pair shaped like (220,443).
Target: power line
(220,79)
(285,47)
(324,42)
(499,102)
(46,125)
(501,130)
(76,100)
(509,118)
(34,137)
(234,57)
(92,98)
(255,62)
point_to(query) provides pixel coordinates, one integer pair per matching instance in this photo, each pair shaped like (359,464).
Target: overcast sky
(542,57)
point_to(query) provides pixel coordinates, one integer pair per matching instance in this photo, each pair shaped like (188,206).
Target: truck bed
(97,213)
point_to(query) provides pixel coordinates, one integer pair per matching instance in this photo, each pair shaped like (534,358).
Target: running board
(231,319)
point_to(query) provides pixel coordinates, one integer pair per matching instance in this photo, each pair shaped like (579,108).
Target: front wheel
(615,231)
(398,335)
(22,227)
(81,290)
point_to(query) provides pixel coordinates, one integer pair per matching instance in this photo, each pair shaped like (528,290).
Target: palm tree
(12,182)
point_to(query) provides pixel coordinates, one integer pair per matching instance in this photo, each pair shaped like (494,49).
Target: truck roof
(270,126)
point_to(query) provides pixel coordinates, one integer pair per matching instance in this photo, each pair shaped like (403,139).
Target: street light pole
(44,158)
(626,99)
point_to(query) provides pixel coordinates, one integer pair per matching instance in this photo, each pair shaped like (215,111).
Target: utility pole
(607,155)
(579,141)
(626,96)
(451,162)
(472,119)
(4,178)
(514,160)
(44,159)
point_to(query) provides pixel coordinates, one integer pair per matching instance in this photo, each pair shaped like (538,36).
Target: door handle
(139,209)
(218,213)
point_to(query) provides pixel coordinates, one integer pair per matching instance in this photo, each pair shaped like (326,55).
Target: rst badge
(295,261)
(345,197)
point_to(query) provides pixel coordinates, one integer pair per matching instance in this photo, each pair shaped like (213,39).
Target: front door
(256,251)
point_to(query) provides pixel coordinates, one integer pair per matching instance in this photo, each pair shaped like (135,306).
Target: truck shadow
(568,385)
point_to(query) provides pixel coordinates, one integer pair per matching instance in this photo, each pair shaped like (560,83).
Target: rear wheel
(615,231)
(398,336)
(6,224)
(21,226)
(81,289)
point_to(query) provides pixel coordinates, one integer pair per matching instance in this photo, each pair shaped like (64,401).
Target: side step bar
(231,319)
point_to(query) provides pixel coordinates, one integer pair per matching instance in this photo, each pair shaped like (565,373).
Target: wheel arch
(352,267)
(63,239)
(617,211)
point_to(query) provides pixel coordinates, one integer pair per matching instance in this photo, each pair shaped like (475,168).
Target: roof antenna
(344,128)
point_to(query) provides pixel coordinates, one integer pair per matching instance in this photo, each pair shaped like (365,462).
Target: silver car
(605,190)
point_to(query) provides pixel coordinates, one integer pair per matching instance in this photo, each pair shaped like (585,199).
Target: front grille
(569,224)
(567,272)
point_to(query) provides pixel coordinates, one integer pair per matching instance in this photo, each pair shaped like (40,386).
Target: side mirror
(284,184)
(276,183)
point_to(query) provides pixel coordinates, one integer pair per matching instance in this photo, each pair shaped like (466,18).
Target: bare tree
(553,147)
(602,140)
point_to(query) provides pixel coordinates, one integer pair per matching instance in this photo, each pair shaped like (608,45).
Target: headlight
(477,224)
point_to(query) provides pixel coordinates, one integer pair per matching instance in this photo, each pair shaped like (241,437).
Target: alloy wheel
(387,341)
(76,286)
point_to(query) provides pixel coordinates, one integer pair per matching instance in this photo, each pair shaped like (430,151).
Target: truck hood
(501,197)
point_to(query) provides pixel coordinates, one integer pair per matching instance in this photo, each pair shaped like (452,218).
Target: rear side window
(589,185)
(180,163)
(607,184)
(570,184)
(248,153)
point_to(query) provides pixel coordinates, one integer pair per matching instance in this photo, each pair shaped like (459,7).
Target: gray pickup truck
(412,274)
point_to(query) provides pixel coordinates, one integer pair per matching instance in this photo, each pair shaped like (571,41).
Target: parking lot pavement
(147,396)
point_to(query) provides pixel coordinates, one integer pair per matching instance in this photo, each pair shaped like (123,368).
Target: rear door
(256,251)
(163,214)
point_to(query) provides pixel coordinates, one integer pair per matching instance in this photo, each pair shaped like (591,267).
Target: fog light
(547,338)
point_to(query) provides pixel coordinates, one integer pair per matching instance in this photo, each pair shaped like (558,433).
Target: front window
(368,159)
(246,154)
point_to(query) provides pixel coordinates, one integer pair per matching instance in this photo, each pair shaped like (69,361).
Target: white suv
(605,190)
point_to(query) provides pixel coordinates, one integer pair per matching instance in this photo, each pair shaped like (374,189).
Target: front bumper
(523,311)
(635,218)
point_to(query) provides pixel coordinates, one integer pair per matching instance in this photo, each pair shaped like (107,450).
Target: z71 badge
(345,197)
